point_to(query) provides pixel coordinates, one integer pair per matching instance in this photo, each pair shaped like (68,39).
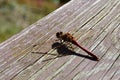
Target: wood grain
(95,24)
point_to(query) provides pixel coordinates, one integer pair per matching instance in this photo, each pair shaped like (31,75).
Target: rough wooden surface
(94,23)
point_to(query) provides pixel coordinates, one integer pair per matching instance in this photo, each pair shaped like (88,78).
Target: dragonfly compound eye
(58,34)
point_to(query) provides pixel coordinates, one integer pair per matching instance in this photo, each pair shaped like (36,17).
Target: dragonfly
(67,37)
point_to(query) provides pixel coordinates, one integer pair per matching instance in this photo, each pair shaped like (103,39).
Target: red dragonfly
(67,37)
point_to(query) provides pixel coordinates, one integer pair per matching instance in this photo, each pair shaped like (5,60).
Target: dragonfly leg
(69,45)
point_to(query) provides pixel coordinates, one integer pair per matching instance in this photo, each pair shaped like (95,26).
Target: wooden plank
(19,55)
(81,64)
(67,69)
(112,73)
(110,49)
(94,23)
(89,67)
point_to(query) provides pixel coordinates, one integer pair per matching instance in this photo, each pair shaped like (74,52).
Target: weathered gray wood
(94,23)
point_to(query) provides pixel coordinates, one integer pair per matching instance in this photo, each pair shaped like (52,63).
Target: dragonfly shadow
(63,50)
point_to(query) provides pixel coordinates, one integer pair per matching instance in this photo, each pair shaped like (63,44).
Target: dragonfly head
(59,34)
